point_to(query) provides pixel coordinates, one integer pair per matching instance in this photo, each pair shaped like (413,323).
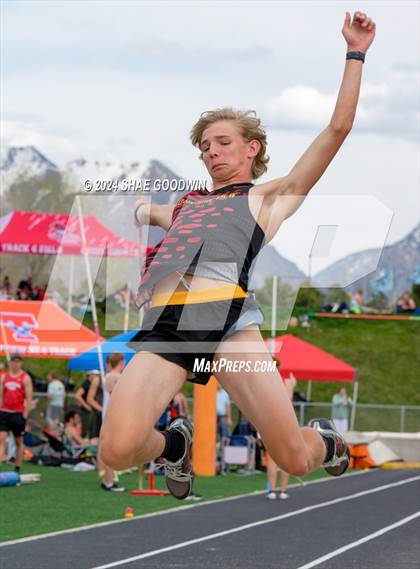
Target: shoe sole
(181,490)
(341,468)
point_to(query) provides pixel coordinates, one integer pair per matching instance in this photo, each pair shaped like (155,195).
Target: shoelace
(174,471)
(336,460)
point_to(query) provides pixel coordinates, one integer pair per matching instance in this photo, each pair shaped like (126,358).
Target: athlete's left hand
(360,33)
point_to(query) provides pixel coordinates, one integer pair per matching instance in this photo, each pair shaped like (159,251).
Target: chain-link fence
(369,417)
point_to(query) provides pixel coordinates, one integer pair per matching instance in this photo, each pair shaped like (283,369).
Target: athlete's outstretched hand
(142,212)
(360,32)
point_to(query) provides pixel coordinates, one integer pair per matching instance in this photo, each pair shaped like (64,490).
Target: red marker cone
(129,512)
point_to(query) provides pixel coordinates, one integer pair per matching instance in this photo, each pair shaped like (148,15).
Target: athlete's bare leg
(19,451)
(263,399)
(3,446)
(145,388)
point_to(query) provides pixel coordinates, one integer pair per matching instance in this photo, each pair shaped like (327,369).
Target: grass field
(386,353)
(65,499)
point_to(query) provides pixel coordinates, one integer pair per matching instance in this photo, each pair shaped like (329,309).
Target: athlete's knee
(298,466)
(293,461)
(115,454)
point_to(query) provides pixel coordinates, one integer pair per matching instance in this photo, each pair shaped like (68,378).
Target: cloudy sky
(126,81)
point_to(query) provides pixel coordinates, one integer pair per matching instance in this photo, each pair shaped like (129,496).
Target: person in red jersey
(15,404)
(196,281)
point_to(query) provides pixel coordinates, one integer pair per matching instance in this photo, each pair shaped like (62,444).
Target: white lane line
(345,548)
(172,510)
(258,523)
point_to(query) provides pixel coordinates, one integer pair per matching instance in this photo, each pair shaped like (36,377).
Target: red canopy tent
(42,329)
(29,232)
(309,363)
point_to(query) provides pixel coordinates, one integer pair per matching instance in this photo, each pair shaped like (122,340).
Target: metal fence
(368,417)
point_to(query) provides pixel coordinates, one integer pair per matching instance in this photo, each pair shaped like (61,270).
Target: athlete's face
(226,154)
(15,366)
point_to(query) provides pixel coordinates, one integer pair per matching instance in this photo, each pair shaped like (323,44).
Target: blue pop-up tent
(89,359)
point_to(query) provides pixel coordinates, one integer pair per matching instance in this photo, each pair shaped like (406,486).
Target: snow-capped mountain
(17,163)
(268,263)
(77,171)
(24,162)
(397,265)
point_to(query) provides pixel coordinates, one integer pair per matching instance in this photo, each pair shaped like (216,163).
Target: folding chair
(238,450)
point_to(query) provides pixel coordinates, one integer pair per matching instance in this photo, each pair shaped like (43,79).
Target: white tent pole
(127,306)
(273,315)
(92,292)
(4,339)
(355,395)
(71,285)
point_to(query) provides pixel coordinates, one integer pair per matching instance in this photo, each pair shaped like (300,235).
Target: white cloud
(388,107)
(37,133)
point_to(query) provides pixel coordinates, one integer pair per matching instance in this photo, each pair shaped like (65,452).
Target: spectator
(115,364)
(56,396)
(81,398)
(179,406)
(224,414)
(272,468)
(340,410)
(15,405)
(73,430)
(95,399)
(6,287)
(406,304)
(357,302)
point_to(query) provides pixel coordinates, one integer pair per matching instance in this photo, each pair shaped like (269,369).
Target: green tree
(379,301)
(309,298)
(336,295)
(415,292)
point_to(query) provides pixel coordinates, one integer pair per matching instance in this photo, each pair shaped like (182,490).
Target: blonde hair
(249,127)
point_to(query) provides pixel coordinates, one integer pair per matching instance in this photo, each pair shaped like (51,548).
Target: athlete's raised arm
(359,35)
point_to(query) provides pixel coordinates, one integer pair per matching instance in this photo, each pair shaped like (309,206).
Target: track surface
(303,532)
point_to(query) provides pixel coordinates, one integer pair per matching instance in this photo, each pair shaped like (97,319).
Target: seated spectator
(357,302)
(73,430)
(23,293)
(6,286)
(406,304)
(40,292)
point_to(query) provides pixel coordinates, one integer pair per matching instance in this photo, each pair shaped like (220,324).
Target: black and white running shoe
(179,476)
(341,456)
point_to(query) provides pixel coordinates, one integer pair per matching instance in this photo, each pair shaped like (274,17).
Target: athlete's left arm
(27,382)
(308,170)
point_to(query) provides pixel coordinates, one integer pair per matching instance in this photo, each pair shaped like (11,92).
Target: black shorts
(188,333)
(14,422)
